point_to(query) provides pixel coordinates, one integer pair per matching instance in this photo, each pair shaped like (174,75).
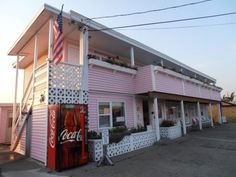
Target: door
(9,126)
(145,113)
(73,54)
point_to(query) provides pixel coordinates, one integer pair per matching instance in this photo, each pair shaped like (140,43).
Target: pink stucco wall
(94,99)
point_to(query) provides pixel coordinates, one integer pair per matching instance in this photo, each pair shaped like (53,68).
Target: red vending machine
(67,136)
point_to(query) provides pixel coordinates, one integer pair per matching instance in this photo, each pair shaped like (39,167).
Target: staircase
(22,115)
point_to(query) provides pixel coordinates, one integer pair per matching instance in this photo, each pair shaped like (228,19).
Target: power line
(182,27)
(149,11)
(165,22)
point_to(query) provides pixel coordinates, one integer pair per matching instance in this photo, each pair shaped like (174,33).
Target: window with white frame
(111,114)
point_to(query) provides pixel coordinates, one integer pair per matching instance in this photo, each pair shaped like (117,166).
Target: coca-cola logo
(67,136)
(52,128)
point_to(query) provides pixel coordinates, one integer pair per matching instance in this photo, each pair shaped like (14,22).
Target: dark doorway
(145,113)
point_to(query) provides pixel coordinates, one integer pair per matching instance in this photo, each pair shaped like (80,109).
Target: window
(111,114)
(104,114)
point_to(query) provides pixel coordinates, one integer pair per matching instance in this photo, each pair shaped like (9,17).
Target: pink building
(6,114)
(123,82)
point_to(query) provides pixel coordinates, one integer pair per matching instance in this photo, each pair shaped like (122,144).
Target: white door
(9,126)
(73,54)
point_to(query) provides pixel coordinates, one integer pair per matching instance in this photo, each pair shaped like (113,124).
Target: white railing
(129,143)
(65,84)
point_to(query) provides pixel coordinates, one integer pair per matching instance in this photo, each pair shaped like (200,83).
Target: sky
(211,50)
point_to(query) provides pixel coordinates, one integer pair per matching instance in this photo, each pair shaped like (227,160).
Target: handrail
(40,66)
(23,100)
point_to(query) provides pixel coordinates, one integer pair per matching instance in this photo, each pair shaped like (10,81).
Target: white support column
(211,117)
(219,113)
(199,115)
(183,117)
(14,103)
(35,63)
(132,56)
(83,57)
(157,126)
(135,112)
(50,39)
(50,47)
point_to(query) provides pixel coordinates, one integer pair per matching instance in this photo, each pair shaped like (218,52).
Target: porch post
(156,121)
(50,47)
(83,57)
(14,103)
(183,117)
(211,117)
(135,111)
(50,39)
(199,115)
(219,113)
(34,64)
(132,56)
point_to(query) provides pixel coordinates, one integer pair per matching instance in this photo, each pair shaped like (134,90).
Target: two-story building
(123,82)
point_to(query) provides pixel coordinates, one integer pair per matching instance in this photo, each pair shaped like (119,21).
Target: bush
(117,134)
(138,129)
(167,123)
(94,135)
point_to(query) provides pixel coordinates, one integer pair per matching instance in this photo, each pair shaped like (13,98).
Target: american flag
(58,39)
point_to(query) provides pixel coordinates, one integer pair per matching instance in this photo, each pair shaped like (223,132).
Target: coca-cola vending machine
(67,136)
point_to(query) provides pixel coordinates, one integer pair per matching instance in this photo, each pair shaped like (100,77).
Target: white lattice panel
(95,150)
(128,144)
(171,132)
(65,84)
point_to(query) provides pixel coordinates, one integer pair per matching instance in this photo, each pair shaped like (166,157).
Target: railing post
(157,126)
(14,105)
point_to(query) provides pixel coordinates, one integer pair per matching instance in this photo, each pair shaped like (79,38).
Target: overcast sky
(211,50)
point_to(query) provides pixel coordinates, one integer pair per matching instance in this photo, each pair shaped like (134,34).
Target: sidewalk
(207,153)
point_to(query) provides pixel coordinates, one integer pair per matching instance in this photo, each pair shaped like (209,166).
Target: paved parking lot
(207,153)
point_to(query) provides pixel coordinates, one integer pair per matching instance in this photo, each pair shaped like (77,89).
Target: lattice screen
(65,83)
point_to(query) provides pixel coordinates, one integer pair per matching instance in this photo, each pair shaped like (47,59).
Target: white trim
(111,66)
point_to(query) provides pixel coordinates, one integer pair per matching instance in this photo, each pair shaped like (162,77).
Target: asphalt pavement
(207,153)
